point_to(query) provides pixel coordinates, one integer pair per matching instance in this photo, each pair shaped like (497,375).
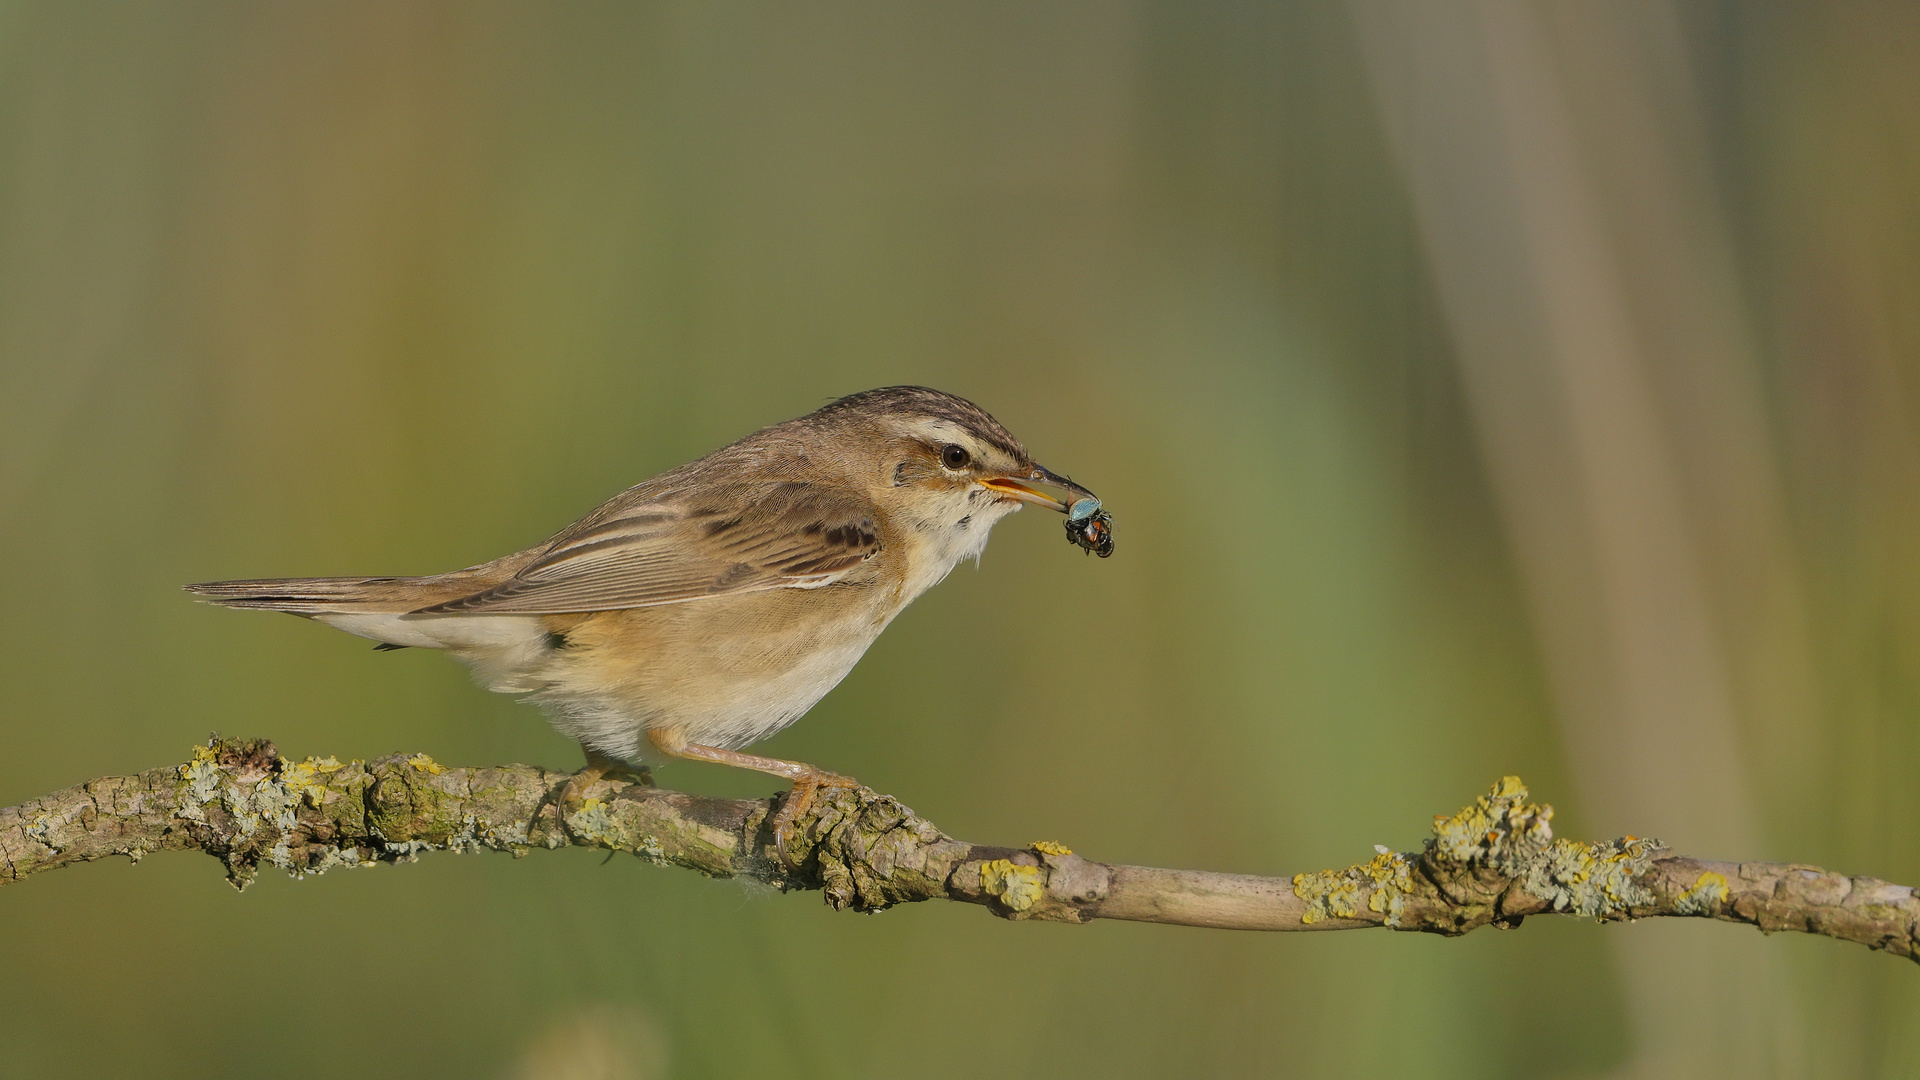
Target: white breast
(955,533)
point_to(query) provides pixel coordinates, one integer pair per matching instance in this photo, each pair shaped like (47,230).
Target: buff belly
(726,672)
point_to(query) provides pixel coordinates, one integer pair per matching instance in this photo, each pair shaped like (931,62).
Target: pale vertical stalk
(1561,354)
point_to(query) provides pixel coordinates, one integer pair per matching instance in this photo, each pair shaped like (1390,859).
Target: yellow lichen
(308,779)
(1501,832)
(1048,847)
(202,755)
(1392,875)
(426,764)
(1384,879)
(1327,893)
(1704,896)
(1018,887)
(1501,829)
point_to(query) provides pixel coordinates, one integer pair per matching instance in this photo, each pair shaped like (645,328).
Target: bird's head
(943,466)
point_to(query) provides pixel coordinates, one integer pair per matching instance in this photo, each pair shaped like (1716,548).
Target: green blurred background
(1478,388)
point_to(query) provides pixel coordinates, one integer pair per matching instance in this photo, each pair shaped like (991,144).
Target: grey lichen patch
(1601,881)
(230,775)
(40,830)
(592,822)
(408,850)
(274,803)
(510,836)
(330,858)
(202,777)
(237,792)
(468,838)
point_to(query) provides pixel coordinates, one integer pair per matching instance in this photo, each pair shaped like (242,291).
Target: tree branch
(1496,861)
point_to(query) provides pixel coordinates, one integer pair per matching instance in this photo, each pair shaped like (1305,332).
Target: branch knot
(872,853)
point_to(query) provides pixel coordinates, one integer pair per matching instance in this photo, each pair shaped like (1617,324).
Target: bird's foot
(599,767)
(796,803)
(807,781)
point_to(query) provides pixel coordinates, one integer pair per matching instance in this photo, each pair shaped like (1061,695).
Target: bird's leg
(615,767)
(807,780)
(598,767)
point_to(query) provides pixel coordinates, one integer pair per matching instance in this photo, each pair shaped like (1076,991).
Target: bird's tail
(326,596)
(388,610)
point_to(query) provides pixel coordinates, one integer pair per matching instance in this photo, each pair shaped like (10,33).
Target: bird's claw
(794,806)
(576,785)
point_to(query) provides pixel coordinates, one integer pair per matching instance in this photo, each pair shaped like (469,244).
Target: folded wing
(779,535)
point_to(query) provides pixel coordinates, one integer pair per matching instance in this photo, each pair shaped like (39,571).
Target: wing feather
(669,551)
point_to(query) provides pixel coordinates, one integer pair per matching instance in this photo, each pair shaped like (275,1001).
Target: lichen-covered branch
(1496,861)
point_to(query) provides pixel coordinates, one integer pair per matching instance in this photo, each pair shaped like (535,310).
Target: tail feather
(388,610)
(315,596)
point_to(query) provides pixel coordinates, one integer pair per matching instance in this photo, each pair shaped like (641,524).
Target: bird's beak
(1016,487)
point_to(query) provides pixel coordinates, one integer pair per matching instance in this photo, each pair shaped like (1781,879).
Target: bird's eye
(955,457)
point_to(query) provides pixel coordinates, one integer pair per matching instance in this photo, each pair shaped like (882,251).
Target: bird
(703,610)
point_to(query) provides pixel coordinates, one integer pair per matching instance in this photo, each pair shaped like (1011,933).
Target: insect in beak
(1090,528)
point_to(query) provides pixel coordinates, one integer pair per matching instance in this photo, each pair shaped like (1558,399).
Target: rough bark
(1495,861)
